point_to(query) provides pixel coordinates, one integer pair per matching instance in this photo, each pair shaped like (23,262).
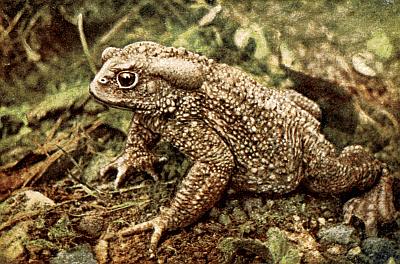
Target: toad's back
(264,128)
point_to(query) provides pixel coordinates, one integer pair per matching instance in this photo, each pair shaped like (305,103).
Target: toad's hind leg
(375,205)
(355,168)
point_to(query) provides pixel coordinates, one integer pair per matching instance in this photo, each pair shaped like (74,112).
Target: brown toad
(234,130)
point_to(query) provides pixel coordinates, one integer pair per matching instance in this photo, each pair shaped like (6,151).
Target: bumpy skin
(234,130)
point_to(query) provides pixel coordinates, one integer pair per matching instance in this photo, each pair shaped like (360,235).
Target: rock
(380,250)
(81,254)
(277,249)
(12,243)
(335,250)
(231,246)
(321,221)
(340,234)
(92,225)
(354,251)
(36,200)
(23,201)
(307,246)
(359,63)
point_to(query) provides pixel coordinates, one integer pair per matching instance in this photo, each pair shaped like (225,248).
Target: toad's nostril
(103,80)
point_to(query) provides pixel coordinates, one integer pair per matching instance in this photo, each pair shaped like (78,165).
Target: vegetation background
(345,55)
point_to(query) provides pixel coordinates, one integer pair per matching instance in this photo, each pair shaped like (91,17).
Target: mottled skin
(234,130)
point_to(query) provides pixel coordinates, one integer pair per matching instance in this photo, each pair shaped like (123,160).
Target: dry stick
(24,215)
(12,24)
(32,55)
(117,26)
(378,127)
(85,45)
(40,169)
(18,218)
(392,119)
(58,123)
(76,164)
(140,204)
(122,21)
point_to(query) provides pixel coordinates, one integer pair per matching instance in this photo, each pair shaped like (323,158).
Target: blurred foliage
(42,53)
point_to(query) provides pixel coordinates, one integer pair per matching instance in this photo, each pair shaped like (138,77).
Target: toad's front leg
(200,189)
(136,155)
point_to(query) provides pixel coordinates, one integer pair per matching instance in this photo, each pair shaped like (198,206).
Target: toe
(122,169)
(157,224)
(375,206)
(137,228)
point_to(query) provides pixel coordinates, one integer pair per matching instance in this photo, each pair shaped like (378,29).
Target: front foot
(132,162)
(373,207)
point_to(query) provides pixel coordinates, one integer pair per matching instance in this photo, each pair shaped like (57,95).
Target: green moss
(39,244)
(116,118)
(72,97)
(380,45)
(282,252)
(61,229)
(19,111)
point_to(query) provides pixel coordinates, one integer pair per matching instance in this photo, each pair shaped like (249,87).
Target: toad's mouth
(124,104)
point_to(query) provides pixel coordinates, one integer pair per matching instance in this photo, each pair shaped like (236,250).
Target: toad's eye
(127,79)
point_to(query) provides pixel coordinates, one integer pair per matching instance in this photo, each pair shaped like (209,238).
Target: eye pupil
(127,79)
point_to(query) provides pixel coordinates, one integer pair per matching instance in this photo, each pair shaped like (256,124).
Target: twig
(168,6)
(19,217)
(38,169)
(142,185)
(129,204)
(392,119)
(24,215)
(366,118)
(120,23)
(106,211)
(85,45)
(12,24)
(117,26)
(58,123)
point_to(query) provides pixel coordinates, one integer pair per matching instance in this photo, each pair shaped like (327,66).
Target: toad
(234,130)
